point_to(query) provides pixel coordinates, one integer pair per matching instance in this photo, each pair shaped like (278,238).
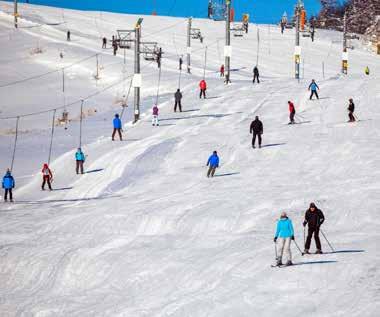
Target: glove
(275,239)
(292,237)
(304,223)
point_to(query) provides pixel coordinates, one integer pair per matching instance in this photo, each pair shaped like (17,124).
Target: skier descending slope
(177,100)
(79,158)
(47,176)
(314,219)
(222,70)
(213,163)
(256,75)
(313,87)
(203,88)
(284,235)
(8,184)
(256,129)
(117,127)
(351,109)
(292,112)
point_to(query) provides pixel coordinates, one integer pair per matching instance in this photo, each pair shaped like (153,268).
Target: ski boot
(289,263)
(318,251)
(306,251)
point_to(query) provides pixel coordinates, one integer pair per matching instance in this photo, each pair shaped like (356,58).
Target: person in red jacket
(222,71)
(292,112)
(203,87)
(47,176)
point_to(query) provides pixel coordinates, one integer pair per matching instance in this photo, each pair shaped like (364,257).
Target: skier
(284,233)
(203,87)
(158,57)
(314,219)
(256,129)
(80,158)
(366,70)
(117,126)
(351,109)
(222,70)
(68,35)
(180,63)
(245,27)
(47,176)
(292,112)
(104,45)
(313,87)
(282,27)
(213,163)
(256,75)
(155,116)
(209,10)
(177,102)
(8,184)
(114,46)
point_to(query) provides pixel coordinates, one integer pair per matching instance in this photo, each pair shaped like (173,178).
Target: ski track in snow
(144,232)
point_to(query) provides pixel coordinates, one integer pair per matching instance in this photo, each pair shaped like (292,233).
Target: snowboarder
(222,70)
(213,163)
(314,219)
(104,45)
(177,100)
(203,87)
(117,126)
(257,130)
(313,87)
(80,158)
(256,75)
(292,112)
(284,235)
(47,176)
(366,70)
(155,116)
(351,109)
(68,35)
(8,184)
(180,63)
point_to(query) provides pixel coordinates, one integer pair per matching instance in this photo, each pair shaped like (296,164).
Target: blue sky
(262,11)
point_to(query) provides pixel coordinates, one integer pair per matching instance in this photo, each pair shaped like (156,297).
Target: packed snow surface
(143,232)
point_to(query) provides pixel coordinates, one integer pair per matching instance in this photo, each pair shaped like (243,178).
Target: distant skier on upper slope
(213,163)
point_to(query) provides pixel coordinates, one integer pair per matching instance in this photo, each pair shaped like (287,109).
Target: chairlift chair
(238,30)
(149,50)
(125,38)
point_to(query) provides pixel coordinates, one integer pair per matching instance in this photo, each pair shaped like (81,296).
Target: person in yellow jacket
(366,70)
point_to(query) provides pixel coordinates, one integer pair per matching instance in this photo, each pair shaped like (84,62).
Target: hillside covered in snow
(144,232)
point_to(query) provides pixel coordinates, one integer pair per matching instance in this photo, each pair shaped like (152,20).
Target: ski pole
(275,249)
(304,240)
(298,247)
(328,242)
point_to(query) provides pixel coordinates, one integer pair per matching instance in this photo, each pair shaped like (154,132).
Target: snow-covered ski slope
(146,233)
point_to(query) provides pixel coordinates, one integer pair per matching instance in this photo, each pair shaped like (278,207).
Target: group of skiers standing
(314,218)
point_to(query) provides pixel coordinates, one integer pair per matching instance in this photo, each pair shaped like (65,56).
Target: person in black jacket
(351,109)
(178,98)
(256,75)
(256,129)
(314,219)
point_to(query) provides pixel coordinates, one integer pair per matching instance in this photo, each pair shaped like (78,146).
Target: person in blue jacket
(213,163)
(284,235)
(313,87)
(80,158)
(8,184)
(117,126)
